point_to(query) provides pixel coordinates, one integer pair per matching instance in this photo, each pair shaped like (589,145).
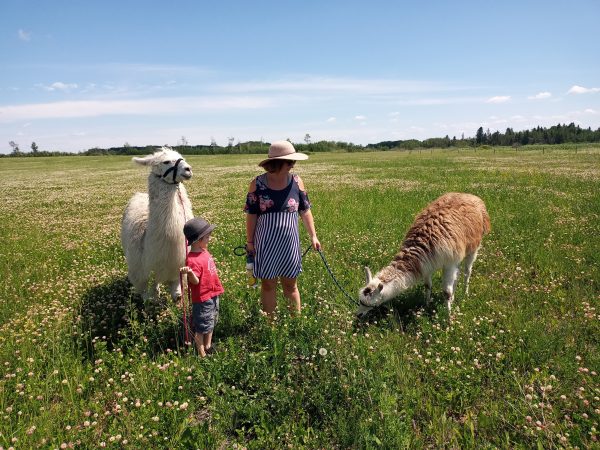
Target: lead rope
(334,278)
(241,251)
(183,294)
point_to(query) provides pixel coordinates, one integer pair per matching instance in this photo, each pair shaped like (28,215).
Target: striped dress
(276,237)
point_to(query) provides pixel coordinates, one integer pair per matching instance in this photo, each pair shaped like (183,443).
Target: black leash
(240,250)
(335,279)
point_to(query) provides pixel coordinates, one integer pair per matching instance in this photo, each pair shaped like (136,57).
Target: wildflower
(323,351)
(155,419)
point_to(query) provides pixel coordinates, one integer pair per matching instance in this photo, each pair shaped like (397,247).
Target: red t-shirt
(203,266)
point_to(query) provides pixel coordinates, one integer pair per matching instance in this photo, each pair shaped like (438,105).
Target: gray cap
(196,228)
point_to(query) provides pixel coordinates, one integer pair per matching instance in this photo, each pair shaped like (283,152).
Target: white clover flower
(323,351)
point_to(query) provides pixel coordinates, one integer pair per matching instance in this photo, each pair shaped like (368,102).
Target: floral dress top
(277,237)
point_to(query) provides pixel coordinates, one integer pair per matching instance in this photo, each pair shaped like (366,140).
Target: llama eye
(367,291)
(166,162)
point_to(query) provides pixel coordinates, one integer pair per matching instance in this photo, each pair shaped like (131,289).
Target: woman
(273,203)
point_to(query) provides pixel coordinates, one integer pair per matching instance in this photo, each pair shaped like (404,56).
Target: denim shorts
(205,315)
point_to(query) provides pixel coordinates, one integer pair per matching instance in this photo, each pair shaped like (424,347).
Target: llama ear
(145,161)
(368,274)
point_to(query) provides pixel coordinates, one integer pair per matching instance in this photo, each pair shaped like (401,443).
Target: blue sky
(77,75)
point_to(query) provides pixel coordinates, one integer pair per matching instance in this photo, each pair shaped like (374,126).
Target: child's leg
(207,339)
(199,341)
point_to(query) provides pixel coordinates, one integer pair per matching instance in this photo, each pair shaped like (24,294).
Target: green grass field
(86,365)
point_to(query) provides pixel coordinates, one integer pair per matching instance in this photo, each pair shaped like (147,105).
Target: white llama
(448,231)
(152,226)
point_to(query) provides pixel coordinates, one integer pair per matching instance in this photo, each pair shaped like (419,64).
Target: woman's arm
(309,224)
(308,221)
(250,222)
(250,227)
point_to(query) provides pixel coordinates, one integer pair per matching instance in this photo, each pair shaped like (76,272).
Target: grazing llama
(448,231)
(152,226)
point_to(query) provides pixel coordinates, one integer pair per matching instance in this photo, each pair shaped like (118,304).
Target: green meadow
(86,364)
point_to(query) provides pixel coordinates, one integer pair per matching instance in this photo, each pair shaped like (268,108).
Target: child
(204,283)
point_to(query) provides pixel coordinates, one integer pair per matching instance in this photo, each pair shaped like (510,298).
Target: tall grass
(85,363)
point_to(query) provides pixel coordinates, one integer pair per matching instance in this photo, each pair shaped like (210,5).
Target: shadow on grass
(114,314)
(401,312)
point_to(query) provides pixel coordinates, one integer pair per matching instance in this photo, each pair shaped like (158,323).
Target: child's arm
(191,276)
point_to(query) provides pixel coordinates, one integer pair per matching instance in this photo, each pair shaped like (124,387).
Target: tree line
(557,134)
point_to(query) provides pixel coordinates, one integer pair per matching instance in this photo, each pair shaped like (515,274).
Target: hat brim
(296,156)
(202,234)
(207,231)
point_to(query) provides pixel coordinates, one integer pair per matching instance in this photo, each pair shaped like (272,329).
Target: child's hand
(185,269)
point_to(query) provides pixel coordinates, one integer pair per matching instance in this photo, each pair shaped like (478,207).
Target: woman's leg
(268,295)
(290,291)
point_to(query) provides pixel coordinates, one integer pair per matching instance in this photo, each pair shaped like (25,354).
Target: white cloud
(417,129)
(60,86)
(24,35)
(582,90)
(498,99)
(590,111)
(155,106)
(356,86)
(540,96)
(331,120)
(360,117)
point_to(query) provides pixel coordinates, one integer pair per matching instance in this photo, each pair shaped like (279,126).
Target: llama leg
(139,285)
(427,289)
(152,292)
(175,290)
(449,279)
(469,260)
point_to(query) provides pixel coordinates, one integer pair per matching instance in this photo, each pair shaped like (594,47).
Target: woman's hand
(316,245)
(250,248)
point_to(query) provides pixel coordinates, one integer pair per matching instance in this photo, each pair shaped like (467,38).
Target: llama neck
(395,280)
(166,210)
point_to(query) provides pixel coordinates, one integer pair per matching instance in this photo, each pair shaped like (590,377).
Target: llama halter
(173,169)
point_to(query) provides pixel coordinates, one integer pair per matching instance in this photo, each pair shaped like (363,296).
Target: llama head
(168,165)
(371,295)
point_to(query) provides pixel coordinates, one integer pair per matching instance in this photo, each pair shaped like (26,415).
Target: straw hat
(283,150)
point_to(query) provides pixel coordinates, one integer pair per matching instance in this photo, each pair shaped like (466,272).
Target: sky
(76,75)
